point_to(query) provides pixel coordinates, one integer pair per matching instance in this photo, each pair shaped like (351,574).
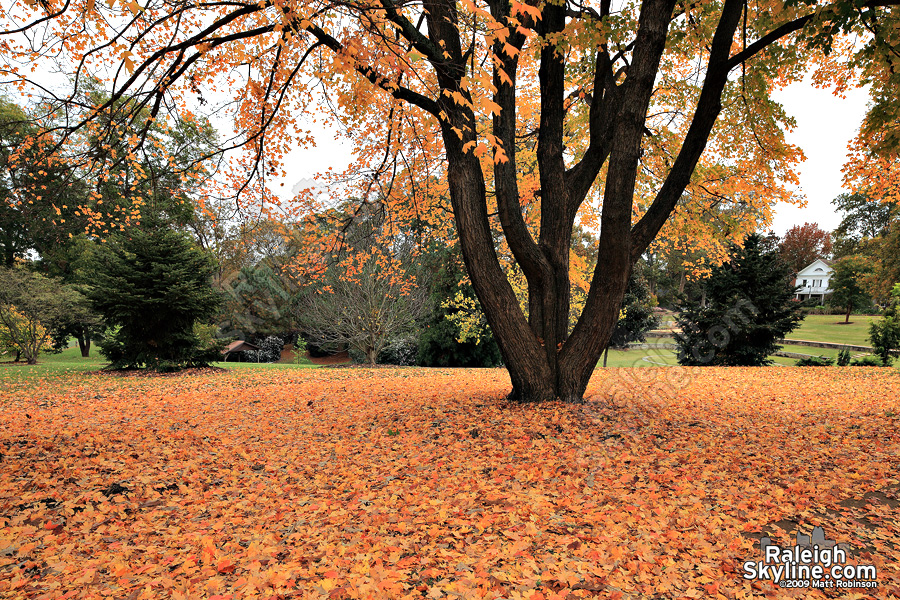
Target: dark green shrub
(843,358)
(885,333)
(815,361)
(866,361)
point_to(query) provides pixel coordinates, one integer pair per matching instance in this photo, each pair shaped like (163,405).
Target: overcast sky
(825,125)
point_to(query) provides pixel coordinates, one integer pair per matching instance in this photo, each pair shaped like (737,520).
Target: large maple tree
(539,109)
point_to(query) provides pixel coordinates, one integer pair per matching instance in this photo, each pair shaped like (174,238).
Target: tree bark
(543,360)
(84,344)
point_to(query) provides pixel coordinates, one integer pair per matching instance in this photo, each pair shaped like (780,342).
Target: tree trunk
(18,355)
(849,310)
(84,344)
(545,361)
(605,355)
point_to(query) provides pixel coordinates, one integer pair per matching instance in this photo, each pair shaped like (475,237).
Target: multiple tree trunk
(544,359)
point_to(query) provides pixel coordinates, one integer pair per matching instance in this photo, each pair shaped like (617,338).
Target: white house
(812,281)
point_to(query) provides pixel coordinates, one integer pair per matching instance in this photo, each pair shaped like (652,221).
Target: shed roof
(239,346)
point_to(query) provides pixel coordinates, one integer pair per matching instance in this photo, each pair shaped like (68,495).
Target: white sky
(825,125)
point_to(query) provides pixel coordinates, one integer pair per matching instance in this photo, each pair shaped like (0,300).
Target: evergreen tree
(748,307)
(153,288)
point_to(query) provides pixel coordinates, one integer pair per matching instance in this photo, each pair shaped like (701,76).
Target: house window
(804,283)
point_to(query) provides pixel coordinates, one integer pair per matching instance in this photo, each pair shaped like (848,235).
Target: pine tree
(748,308)
(153,287)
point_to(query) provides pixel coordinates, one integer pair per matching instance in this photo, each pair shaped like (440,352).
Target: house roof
(239,346)
(809,269)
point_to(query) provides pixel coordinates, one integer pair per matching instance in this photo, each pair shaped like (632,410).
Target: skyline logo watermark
(813,562)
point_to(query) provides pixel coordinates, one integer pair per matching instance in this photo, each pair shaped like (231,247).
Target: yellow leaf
(493,106)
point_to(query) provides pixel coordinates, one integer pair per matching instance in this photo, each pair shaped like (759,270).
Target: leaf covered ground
(417,483)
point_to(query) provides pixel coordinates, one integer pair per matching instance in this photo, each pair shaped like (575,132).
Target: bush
(866,361)
(269,350)
(885,334)
(402,352)
(815,361)
(843,358)
(439,347)
(810,304)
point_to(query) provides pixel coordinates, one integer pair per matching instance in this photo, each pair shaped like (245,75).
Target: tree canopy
(31,307)
(802,244)
(847,284)
(531,116)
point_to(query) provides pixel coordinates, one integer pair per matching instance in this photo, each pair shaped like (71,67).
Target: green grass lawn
(651,357)
(825,328)
(69,364)
(655,357)
(830,328)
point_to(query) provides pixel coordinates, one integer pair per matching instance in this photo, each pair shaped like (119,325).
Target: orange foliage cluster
(425,484)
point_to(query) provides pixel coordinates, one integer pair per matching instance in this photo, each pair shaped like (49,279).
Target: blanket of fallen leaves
(416,483)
